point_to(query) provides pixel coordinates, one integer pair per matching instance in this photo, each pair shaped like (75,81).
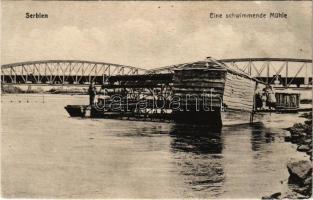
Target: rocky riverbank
(301,134)
(300,172)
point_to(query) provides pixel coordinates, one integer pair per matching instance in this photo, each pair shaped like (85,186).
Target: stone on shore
(287,137)
(273,196)
(307,115)
(294,195)
(309,152)
(305,190)
(308,141)
(308,181)
(303,148)
(299,171)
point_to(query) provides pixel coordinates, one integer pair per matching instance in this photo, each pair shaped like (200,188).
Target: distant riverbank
(40,89)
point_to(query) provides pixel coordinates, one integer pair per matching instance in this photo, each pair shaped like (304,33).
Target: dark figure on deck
(92,93)
(258,99)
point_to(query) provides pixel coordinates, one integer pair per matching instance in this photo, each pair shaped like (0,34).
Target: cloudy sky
(152,34)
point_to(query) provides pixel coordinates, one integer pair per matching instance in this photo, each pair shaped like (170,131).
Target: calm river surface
(45,153)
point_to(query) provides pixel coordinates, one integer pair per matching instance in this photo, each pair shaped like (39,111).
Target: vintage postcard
(156,99)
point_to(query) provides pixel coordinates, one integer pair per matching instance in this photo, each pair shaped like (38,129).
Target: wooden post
(38,70)
(253,106)
(286,78)
(267,72)
(306,78)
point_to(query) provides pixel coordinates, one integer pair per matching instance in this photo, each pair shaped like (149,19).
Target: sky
(152,34)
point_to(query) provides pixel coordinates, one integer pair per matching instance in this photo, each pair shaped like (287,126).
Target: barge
(205,92)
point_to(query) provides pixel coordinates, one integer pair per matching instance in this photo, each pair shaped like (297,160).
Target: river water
(47,154)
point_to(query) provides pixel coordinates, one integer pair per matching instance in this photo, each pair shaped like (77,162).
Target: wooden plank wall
(239,92)
(198,83)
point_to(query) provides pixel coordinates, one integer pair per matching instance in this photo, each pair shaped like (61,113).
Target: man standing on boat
(268,98)
(271,98)
(258,98)
(92,93)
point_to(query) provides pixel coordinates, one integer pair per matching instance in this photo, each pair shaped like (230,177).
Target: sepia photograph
(156,99)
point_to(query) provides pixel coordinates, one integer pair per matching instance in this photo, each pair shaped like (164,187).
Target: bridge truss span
(282,71)
(63,72)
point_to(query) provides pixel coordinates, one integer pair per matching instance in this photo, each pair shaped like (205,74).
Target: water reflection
(196,140)
(197,153)
(260,137)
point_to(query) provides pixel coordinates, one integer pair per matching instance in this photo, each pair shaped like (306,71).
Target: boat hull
(213,119)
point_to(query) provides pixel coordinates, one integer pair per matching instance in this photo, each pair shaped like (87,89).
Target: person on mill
(92,93)
(264,98)
(271,99)
(258,98)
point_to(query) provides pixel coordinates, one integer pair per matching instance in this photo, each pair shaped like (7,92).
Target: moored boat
(205,92)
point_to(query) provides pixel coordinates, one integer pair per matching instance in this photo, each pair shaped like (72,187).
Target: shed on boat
(287,100)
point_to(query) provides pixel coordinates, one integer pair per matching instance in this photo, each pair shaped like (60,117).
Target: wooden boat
(288,101)
(76,110)
(206,92)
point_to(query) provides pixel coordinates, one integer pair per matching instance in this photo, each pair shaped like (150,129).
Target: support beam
(286,78)
(306,78)
(267,71)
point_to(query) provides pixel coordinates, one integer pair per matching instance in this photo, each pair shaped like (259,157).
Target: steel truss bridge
(283,71)
(63,72)
(287,71)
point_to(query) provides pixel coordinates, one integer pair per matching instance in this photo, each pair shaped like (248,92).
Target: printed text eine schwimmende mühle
(271,15)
